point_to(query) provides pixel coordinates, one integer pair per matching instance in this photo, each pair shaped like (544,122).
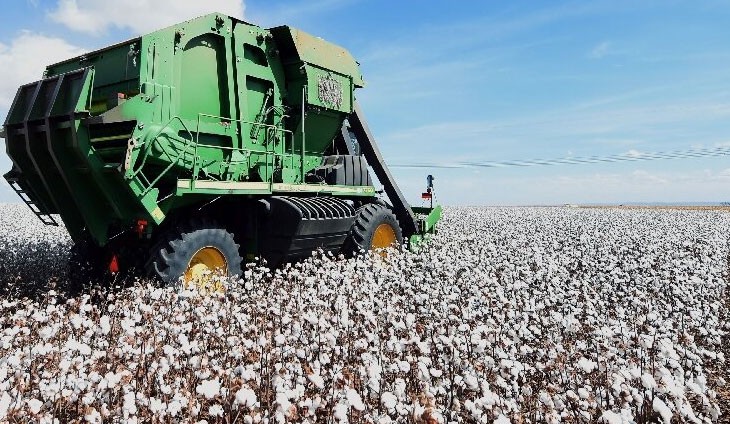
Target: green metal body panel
(427,219)
(208,107)
(213,100)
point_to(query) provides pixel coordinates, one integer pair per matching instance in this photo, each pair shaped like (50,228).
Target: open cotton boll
(587,365)
(354,400)
(340,412)
(209,388)
(104,324)
(317,380)
(663,410)
(215,410)
(388,400)
(648,381)
(34,405)
(245,397)
(502,419)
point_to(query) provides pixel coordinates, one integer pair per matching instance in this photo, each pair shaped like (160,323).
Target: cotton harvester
(198,146)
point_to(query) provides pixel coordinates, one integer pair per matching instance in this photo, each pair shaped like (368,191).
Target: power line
(625,157)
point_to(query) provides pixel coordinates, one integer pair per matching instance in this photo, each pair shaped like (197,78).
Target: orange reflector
(114,265)
(425,195)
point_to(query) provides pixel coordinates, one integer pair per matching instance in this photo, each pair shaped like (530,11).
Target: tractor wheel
(197,253)
(375,227)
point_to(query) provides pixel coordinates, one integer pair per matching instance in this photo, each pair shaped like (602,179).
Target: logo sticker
(329,91)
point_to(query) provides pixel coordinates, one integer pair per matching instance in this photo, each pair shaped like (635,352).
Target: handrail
(194,142)
(270,128)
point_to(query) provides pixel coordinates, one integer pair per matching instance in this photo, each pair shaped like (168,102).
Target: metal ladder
(45,218)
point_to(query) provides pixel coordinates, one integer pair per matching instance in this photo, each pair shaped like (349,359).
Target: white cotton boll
(340,412)
(436,372)
(330,339)
(245,397)
(502,419)
(168,350)
(388,400)
(157,406)
(47,332)
(583,393)
(410,320)
(701,382)
(111,379)
(423,372)
(694,387)
(5,401)
(635,372)
(648,381)
(663,410)
(317,380)
(129,406)
(546,400)
(263,341)
(418,411)
(280,339)
(610,417)
(215,410)
(88,398)
(472,383)
(354,400)
(83,349)
(76,321)
(209,388)
(174,407)
(587,365)
(34,405)
(686,411)
(104,324)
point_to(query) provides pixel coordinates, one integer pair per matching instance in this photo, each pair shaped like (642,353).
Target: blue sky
(478,81)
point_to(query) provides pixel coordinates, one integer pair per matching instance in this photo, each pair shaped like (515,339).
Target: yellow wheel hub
(205,270)
(383,237)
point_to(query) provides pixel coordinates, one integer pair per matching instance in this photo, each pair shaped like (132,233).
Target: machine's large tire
(187,245)
(375,227)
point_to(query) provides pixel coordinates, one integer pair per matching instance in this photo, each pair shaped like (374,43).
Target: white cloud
(140,16)
(600,50)
(25,58)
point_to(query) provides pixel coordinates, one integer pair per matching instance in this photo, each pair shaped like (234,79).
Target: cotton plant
(506,315)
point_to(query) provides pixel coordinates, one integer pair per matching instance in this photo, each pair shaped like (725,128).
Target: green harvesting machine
(197,146)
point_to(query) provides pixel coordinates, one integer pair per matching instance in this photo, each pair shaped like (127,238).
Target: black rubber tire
(171,254)
(368,218)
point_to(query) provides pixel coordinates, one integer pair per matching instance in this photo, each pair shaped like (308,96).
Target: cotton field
(508,315)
